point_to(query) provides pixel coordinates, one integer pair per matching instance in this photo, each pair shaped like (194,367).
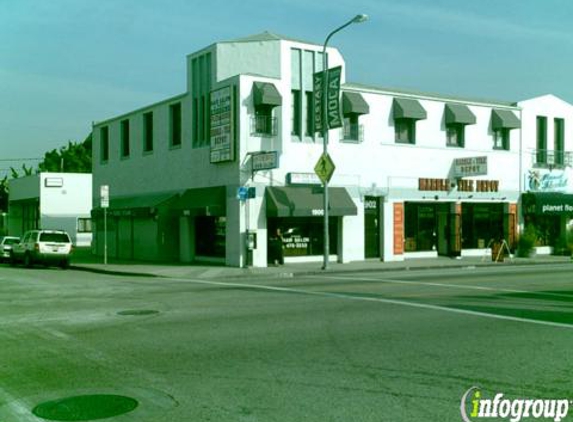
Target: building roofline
(139,110)
(429,96)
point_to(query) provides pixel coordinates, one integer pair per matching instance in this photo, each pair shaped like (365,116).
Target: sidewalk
(83,260)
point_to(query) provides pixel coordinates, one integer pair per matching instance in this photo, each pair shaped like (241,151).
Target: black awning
(203,201)
(266,94)
(549,203)
(459,113)
(354,103)
(307,201)
(504,119)
(403,108)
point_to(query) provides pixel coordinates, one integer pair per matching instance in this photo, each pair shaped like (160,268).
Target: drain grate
(138,312)
(85,408)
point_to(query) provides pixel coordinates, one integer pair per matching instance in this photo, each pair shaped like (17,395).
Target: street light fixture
(356,19)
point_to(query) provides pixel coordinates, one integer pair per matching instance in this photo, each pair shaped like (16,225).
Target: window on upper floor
(559,141)
(175,124)
(265,98)
(353,106)
(455,135)
(541,130)
(264,123)
(124,134)
(501,138)
(309,102)
(296,108)
(148,132)
(104,144)
(457,117)
(406,113)
(405,131)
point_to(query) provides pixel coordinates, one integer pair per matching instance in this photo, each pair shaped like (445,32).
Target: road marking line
(424,283)
(375,299)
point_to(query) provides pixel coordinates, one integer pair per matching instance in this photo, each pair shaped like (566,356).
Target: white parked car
(44,247)
(6,243)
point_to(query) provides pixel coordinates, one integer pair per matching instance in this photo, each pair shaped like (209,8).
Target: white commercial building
(416,174)
(58,201)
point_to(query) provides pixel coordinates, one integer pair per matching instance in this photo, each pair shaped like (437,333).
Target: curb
(296,274)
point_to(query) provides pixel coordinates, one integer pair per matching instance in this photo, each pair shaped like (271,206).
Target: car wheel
(28,261)
(12,259)
(65,264)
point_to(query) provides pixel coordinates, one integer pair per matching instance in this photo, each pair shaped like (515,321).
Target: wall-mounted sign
(446,185)
(550,181)
(470,166)
(222,144)
(53,182)
(265,161)
(302,179)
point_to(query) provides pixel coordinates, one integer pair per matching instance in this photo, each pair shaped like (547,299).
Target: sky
(67,63)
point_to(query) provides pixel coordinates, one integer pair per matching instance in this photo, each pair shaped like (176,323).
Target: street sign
(242,193)
(104,196)
(324,168)
(333,115)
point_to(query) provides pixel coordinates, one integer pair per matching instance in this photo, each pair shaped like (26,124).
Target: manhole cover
(138,312)
(85,408)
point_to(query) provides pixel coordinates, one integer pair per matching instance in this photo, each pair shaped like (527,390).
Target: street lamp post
(356,19)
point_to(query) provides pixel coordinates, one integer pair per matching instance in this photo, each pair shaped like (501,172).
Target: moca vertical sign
(333,114)
(222,145)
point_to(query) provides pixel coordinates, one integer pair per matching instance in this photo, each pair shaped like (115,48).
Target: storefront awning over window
(354,103)
(266,94)
(550,203)
(203,201)
(460,114)
(135,205)
(306,201)
(403,108)
(504,119)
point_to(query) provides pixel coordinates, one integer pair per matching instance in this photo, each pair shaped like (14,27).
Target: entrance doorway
(372,226)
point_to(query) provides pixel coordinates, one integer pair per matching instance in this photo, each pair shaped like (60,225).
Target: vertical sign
(398,228)
(104,196)
(222,145)
(333,114)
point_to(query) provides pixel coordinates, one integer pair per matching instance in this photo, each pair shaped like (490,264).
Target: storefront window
(210,236)
(480,224)
(304,236)
(420,227)
(546,227)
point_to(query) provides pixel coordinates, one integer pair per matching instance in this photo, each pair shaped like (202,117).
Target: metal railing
(543,158)
(353,133)
(263,125)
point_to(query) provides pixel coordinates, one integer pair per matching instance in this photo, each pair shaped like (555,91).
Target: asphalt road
(400,346)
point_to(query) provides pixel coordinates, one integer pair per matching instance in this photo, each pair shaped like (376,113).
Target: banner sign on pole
(104,196)
(333,112)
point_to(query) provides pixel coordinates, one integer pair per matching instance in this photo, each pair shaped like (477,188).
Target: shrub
(526,242)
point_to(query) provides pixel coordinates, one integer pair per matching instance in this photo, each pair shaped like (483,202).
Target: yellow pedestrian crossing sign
(324,168)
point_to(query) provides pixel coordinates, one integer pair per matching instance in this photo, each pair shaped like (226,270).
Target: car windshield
(11,241)
(54,237)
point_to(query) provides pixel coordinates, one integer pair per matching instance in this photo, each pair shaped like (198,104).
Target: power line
(20,159)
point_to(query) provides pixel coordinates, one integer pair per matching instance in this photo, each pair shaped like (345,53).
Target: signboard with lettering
(265,161)
(302,179)
(222,143)
(550,181)
(470,166)
(104,196)
(333,111)
(446,185)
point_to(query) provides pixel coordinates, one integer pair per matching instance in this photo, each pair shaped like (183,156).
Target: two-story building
(417,174)
(547,161)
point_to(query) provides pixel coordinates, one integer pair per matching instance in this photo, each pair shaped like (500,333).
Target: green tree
(73,158)
(4,194)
